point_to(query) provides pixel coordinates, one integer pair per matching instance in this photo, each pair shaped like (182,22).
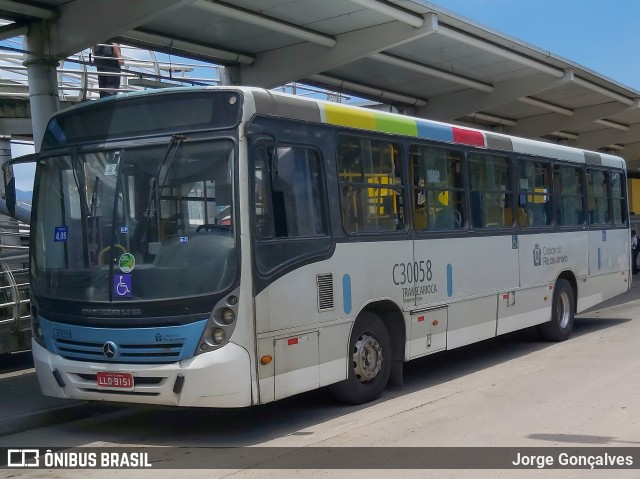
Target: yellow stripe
(345,116)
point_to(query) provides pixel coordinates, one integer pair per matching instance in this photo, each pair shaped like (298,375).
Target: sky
(602,36)
(599,35)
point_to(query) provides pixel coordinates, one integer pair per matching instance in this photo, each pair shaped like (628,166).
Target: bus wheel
(562,311)
(370,361)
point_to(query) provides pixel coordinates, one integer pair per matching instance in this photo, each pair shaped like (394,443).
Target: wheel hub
(367,358)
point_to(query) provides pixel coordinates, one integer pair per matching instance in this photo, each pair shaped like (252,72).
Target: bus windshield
(139,223)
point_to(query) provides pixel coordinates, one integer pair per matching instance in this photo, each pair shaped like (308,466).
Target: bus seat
(522,217)
(444,219)
(420,221)
(536,215)
(508,216)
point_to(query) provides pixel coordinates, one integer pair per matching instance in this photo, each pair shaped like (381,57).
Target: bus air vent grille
(325,292)
(150,353)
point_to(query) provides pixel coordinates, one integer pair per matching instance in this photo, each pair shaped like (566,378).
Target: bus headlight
(218,335)
(221,324)
(227,315)
(36,329)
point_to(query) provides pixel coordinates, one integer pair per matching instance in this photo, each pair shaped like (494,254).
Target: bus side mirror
(9,190)
(10,193)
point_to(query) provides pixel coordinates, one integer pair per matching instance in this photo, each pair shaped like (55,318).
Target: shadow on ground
(160,426)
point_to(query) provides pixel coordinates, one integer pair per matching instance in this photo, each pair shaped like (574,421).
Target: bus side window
(438,188)
(371,190)
(618,198)
(491,190)
(288,204)
(598,196)
(568,195)
(534,193)
(289,207)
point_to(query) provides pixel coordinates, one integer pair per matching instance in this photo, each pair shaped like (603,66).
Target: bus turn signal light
(264,360)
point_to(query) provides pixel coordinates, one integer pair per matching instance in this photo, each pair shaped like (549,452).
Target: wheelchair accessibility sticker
(122,285)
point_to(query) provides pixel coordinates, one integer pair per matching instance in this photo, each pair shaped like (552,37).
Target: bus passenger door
(290,239)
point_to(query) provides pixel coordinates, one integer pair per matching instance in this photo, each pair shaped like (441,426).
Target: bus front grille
(155,353)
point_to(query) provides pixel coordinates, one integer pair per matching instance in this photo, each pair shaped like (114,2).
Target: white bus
(227,247)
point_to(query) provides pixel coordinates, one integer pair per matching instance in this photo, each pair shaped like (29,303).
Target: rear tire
(562,313)
(369,361)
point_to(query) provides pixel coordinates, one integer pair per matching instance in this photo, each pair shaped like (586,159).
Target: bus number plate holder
(112,380)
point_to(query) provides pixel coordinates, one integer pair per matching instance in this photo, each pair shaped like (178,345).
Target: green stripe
(400,126)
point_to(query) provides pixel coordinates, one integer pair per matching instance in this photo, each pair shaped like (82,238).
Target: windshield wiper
(178,141)
(154,191)
(80,180)
(92,222)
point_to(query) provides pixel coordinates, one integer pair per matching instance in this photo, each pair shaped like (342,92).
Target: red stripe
(420,318)
(292,341)
(468,137)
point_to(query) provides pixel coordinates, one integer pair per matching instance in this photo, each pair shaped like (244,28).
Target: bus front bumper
(220,378)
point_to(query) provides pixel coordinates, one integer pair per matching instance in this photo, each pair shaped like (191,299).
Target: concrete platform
(23,407)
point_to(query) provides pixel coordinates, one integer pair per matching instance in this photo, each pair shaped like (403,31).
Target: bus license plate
(115,380)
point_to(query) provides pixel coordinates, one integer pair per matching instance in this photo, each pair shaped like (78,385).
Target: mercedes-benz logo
(110,349)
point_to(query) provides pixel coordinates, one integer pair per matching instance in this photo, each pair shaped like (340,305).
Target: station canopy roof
(411,54)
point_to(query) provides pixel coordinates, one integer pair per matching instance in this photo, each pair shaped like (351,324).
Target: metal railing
(142,69)
(15,317)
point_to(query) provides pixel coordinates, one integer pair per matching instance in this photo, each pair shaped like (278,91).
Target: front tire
(562,313)
(369,361)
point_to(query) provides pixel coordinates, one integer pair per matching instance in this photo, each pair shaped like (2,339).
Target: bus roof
(290,106)
(283,105)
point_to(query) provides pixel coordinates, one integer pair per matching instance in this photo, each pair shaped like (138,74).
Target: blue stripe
(134,345)
(346,293)
(434,131)
(449,280)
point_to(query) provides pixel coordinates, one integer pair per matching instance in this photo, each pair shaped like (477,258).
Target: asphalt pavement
(23,407)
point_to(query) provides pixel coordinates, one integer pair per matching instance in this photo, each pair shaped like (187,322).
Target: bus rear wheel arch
(562,313)
(369,360)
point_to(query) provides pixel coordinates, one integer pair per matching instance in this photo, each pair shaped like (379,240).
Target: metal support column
(230,75)
(43,82)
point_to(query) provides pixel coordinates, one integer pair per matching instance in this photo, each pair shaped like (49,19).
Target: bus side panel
(296,364)
(596,289)
(543,257)
(309,345)
(361,272)
(523,308)
(609,250)
(470,321)
(469,267)
(463,267)
(266,371)
(303,360)
(428,332)
(609,265)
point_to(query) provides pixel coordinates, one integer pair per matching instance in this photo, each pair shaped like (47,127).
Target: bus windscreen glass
(144,223)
